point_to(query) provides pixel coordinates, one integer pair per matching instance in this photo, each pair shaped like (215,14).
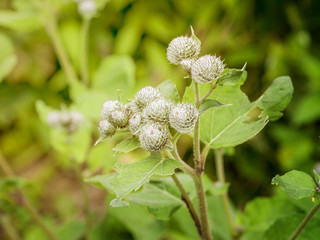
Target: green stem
(203,209)
(53,32)
(8,228)
(305,222)
(196,137)
(86,201)
(84,50)
(212,88)
(186,168)
(189,204)
(225,197)
(25,202)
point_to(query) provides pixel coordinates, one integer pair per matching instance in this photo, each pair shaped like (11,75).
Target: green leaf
(232,77)
(156,198)
(169,91)
(242,120)
(115,72)
(210,103)
(127,145)
(20,21)
(100,181)
(316,177)
(276,98)
(134,175)
(7,57)
(296,184)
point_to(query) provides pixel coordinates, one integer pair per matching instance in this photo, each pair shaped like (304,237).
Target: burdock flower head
(134,124)
(114,112)
(183,117)
(207,69)
(154,136)
(158,110)
(106,128)
(146,95)
(182,48)
(67,121)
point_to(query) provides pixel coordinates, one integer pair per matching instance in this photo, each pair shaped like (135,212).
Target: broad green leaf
(276,98)
(20,21)
(169,91)
(235,124)
(296,184)
(101,157)
(134,175)
(115,72)
(156,198)
(127,145)
(7,57)
(210,103)
(232,77)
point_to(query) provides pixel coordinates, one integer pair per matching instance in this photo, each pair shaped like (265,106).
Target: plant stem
(196,137)
(305,222)
(25,202)
(213,87)
(189,204)
(203,209)
(85,198)
(84,50)
(186,168)
(8,228)
(53,32)
(221,178)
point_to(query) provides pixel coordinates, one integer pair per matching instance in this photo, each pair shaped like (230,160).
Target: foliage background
(274,37)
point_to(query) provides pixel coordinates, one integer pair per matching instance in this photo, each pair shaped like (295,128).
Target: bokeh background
(274,38)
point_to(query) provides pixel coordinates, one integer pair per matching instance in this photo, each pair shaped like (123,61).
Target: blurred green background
(274,37)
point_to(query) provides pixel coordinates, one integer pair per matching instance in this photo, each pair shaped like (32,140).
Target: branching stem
(208,94)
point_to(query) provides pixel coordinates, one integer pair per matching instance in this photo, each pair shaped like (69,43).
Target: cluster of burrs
(185,51)
(148,117)
(66,121)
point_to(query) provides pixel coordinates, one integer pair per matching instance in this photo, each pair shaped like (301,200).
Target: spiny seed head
(187,64)
(135,124)
(207,69)
(131,109)
(119,119)
(158,110)
(106,128)
(146,95)
(67,121)
(87,8)
(154,136)
(109,107)
(182,48)
(183,117)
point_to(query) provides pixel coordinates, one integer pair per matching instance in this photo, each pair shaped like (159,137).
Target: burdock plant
(213,111)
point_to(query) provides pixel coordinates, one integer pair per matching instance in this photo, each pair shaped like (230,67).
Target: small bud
(146,95)
(135,124)
(154,136)
(119,119)
(183,117)
(109,107)
(158,110)
(207,69)
(87,8)
(106,128)
(182,48)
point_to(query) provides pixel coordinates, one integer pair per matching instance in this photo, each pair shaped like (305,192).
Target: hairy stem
(186,168)
(305,222)
(196,137)
(84,50)
(221,178)
(25,202)
(203,209)
(8,228)
(53,32)
(189,204)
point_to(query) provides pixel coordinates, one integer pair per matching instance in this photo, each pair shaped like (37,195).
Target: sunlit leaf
(169,91)
(127,145)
